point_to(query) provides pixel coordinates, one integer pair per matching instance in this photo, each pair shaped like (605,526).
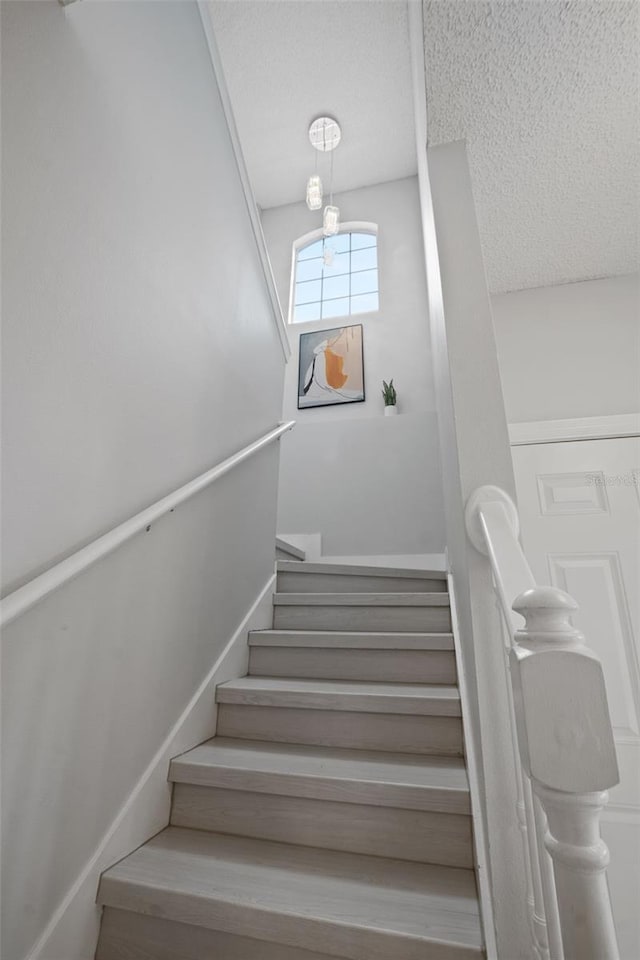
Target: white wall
(131,289)
(571,350)
(475,451)
(372,485)
(391,467)
(139,349)
(396,339)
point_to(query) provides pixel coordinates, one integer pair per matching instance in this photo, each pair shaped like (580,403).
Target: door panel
(579,505)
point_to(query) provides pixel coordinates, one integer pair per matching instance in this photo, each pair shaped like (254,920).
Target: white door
(579,506)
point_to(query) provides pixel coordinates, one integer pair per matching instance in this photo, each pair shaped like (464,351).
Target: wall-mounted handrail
(27,596)
(564,741)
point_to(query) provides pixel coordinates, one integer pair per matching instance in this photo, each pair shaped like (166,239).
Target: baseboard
(250,200)
(72,932)
(287,550)
(302,546)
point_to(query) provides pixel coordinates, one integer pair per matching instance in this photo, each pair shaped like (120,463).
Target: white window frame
(352,226)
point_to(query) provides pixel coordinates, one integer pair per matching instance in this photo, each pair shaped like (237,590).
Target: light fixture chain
(331,181)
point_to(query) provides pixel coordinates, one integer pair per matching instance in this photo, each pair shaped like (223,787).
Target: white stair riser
(397,619)
(411,666)
(290,582)
(350,640)
(134,936)
(439,736)
(355,828)
(357,696)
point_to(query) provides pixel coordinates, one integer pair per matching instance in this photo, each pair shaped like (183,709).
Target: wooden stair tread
(356,640)
(357,570)
(405,698)
(364,908)
(361,599)
(357,776)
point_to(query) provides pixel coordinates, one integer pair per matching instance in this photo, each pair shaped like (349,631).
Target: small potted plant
(390,398)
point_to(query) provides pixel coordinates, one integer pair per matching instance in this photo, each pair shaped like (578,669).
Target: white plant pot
(391,411)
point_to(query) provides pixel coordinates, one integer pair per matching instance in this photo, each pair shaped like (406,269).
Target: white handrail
(27,596)
(511,571)
(565,750)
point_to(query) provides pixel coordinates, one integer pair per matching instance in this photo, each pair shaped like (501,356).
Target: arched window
(335,276)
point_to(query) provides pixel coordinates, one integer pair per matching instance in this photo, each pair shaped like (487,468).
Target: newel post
(567,749)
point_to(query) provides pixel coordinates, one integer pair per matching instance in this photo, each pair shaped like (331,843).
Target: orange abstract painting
(331,367)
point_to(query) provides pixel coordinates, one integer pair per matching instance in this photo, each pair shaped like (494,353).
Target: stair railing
(563,744)
(25,597)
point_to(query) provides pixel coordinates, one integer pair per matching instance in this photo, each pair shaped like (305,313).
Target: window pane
(364,259)
(335,308)
(366,303)
(366,282)
(309,269)
(339,243)
(360,240)
(309,292)
(313,250)
(335,287)
(340,265)
(348,285)
(306,312)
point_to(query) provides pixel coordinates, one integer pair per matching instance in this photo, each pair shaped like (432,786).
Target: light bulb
(331,221)
(314,193)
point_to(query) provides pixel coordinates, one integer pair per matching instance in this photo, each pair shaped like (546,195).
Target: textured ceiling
(545,92)
(547,96)
(289,61)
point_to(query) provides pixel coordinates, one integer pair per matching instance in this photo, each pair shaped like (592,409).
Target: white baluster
(492,524)
(547,879)
(566,746)
(526,824)
(543,940)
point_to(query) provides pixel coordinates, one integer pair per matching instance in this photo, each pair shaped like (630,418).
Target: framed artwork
(331,367)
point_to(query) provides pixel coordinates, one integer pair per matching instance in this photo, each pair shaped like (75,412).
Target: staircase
(330,816)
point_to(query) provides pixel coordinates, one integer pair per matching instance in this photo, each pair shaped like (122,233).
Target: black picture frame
(318,386)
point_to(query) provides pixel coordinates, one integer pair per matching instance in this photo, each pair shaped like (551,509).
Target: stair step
(381,831)
(396,657)
(134,936)
(345,578)
(398,733)
(359,570)
(395,666)
(378,612)
(357,907)
(321,773)
(366,640)
(398,698)
(362,599)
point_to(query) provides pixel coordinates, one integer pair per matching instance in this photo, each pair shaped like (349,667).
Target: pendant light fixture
(314,192)
(330,221)
(325,135)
